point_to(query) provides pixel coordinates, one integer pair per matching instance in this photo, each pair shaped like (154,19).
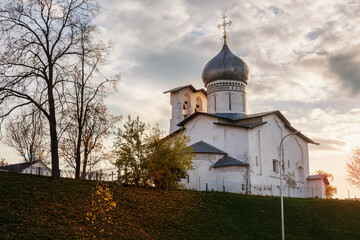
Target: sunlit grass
(35,207)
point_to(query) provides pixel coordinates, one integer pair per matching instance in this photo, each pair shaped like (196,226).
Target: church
(236,151)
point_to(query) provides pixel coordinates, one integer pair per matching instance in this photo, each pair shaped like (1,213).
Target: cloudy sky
(303,56)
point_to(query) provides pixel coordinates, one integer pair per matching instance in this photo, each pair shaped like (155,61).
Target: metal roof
(229,161)
(319,177)
(203,147)
(225,66)
(187,86)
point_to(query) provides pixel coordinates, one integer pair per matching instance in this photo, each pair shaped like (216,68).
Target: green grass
(35,207)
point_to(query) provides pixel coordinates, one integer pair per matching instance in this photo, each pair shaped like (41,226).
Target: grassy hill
(35,207)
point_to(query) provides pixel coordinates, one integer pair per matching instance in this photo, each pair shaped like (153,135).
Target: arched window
(199,105)
(186,106)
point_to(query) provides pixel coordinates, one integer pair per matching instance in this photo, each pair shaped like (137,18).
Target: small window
(275,166)
(257,161)
(230,101)
(288,163)
(215,102)
(188,178)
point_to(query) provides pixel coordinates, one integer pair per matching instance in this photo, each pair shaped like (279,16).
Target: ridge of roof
(189,86)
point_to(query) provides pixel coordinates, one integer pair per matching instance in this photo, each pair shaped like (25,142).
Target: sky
(303,56)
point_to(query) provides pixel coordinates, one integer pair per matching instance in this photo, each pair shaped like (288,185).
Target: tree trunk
(78,155)
(85,163)
(53,137)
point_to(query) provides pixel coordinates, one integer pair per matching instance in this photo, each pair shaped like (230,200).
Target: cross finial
(223,24)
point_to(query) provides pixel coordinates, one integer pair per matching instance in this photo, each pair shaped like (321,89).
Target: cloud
(345,65)
(330,144)
(295,53)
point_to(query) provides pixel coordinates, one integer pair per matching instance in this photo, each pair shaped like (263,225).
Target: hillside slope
(35,207)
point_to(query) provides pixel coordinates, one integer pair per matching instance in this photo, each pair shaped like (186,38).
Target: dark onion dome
(225,66)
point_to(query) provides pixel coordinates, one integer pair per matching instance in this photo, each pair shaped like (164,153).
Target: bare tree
(98,125)
(353,168)
(89,88)
(26,135)
(39,39)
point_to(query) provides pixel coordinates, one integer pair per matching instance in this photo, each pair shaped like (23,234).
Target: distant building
(237,151)
(34,167)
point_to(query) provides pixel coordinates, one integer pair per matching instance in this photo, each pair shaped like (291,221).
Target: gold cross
(224,23)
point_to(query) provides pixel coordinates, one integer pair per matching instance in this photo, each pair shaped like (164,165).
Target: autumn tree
(145,157)
(3,162)
(26,134)
(353,168)
(330,190)
(39,40)
(130,150)
(169,158)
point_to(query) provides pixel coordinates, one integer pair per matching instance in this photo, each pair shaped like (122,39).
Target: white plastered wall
(231,140)
(318,188)
(265,146)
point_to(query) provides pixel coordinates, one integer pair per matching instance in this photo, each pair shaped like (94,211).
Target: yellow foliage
(330,189)
(99,222)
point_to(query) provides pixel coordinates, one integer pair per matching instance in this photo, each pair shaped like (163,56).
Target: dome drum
(226,85)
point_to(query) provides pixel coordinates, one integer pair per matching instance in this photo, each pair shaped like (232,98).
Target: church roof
(229,161)
(187,86)
(203,147)
(319,177)
(237,117)
(18,167)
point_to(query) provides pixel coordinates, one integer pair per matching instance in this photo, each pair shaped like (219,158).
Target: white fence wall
(226,185)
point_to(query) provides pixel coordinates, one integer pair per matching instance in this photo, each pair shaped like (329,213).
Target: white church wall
(232,140)
(203,173)
(264,149)
(231,179)
(205,177)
